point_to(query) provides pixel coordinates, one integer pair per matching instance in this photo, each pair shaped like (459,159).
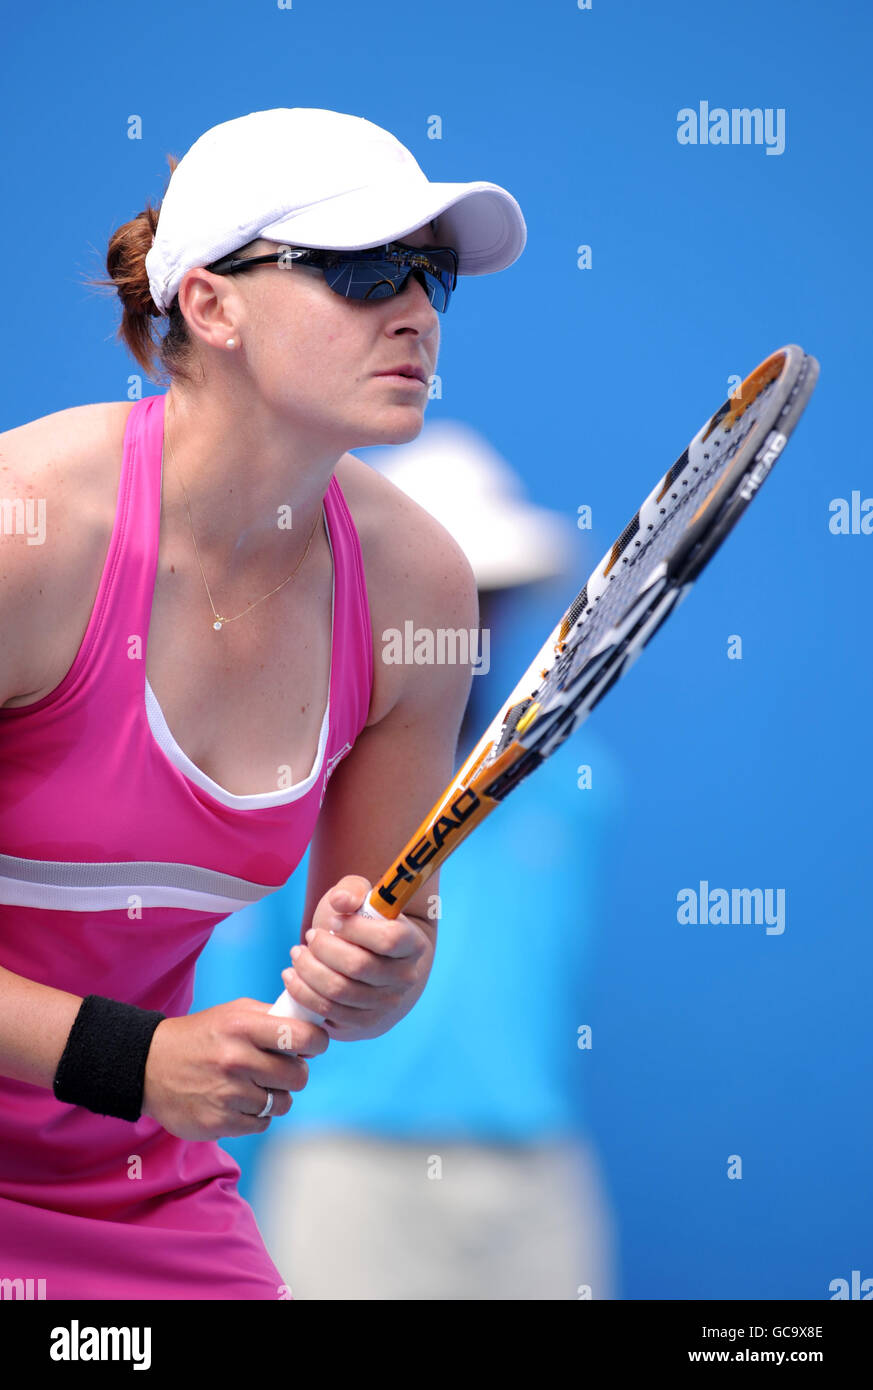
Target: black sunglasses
(375,273)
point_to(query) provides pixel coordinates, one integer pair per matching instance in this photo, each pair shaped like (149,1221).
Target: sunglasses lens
(381,277)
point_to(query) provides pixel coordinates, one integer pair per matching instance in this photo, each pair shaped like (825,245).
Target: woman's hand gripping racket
(638,583)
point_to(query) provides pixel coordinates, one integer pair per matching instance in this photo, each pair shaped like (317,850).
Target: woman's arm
(206,1075)
(36,1024)
(368,978)
(36,1019)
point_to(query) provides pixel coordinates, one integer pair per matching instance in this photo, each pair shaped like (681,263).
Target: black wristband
(103,1064)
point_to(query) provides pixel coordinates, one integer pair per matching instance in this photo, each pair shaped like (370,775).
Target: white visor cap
(306,177)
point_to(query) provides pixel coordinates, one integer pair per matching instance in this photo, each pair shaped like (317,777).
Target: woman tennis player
(193,691)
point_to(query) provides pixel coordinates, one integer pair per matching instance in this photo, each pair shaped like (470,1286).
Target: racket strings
(673,476)
(615,595)
(689,484)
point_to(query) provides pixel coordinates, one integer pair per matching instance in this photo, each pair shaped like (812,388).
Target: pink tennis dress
(119,856)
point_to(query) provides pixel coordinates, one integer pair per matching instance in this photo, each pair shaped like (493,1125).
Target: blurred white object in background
(457,476)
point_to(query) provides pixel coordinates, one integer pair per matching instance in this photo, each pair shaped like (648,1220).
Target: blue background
(709,1041)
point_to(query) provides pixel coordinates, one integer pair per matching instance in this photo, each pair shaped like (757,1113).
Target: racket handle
(286,1007)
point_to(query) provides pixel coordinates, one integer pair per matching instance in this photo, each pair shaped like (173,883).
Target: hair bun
(127,276)
(125,261)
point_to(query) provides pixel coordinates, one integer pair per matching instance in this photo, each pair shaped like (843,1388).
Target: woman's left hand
(360,974)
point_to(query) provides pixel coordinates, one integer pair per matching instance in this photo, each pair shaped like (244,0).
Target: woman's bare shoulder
(73,420)
(49,438)
(70,457)
(415,570)
(400,541)
(59,478)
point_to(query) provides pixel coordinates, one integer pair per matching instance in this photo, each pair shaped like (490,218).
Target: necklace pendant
(216,626)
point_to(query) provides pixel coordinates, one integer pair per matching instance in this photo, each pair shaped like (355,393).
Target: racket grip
(286,1007)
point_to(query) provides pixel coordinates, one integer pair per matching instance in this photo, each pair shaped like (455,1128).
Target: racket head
(650,568)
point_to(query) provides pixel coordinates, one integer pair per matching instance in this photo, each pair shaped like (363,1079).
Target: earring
(231,342)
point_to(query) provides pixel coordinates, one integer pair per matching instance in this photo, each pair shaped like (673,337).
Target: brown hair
(168,354)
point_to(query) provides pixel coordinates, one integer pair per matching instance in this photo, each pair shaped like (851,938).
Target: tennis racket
(639,582)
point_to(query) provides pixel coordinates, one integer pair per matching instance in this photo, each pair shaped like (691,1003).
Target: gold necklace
(219,620)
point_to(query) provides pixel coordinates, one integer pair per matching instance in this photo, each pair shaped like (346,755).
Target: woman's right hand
(207,1074)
